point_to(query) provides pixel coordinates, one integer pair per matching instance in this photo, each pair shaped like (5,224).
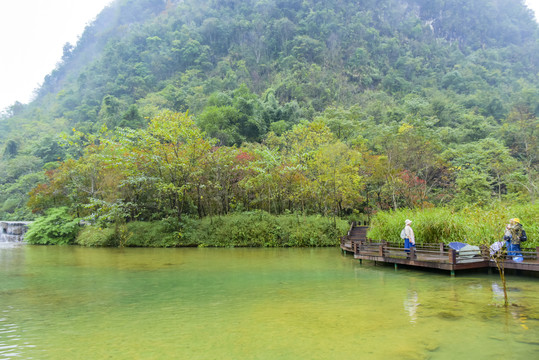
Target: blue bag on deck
(455,245)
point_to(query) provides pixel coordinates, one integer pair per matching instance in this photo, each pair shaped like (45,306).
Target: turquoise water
(79,303)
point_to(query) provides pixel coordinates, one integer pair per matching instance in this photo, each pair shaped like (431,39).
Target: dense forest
(195,109)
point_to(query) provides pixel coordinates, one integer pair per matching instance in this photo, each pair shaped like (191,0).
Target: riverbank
(248,229)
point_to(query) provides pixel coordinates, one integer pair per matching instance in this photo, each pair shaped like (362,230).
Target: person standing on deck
(507,234)
(409,238)
(514,238)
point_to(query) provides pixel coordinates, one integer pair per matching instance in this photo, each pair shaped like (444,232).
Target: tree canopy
(167,108)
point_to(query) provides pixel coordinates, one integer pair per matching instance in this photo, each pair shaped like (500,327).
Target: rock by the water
(13,231)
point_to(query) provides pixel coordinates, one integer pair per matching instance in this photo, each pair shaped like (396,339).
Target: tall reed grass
(471,225)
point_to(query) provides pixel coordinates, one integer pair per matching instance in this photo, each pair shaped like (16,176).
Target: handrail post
(381,249)
(442,248)
(452,256)
(412,253)
(537,253)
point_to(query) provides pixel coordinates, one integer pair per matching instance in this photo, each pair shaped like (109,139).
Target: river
(82,303)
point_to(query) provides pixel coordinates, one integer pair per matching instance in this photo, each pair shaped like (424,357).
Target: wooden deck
(435,256)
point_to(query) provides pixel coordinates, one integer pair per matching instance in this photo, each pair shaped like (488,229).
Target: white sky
(33,33)
(32,36)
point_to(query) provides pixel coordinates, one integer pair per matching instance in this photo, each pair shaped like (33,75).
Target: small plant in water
(499,258)
(497,250)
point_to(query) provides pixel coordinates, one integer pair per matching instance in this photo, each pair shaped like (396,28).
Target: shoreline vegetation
(472,225)
(247,229)
(261,229)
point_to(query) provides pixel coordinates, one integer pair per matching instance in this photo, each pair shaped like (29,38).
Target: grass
(471,225)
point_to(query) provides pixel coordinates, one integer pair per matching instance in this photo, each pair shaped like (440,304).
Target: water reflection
(410,305)
(12,345)
(497,293)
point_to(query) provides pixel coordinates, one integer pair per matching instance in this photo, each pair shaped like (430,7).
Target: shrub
(161,233)
(260,229)
(249,229)
(95,236)
(57,227)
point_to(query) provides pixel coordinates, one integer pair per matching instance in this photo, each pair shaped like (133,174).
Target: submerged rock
(448,315)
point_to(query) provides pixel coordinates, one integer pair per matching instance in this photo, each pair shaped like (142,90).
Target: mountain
(463,71)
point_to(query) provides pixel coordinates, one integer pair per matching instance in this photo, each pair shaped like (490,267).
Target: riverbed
(83,303)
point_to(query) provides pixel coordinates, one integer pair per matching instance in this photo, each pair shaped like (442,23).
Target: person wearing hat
(507,235)
(409,238)
(514,235)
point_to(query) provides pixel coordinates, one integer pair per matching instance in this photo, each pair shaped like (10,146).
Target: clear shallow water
(79,303)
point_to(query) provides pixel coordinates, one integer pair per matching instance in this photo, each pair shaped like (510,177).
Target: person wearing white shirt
(409,238)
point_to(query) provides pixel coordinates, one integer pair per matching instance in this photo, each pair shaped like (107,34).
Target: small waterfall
(13,231)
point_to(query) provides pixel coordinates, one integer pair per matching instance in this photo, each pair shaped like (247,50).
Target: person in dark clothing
(514,236)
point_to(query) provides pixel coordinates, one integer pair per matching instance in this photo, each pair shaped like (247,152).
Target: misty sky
(33,33)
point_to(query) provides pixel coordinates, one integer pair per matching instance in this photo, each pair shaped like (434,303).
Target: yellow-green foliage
(471,225)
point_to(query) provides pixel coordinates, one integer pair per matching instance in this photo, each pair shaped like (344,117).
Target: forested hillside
(206,107)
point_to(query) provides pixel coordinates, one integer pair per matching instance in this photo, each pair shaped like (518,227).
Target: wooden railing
(425,253)
(346,243)
(431,252)
(430,255)
(528,254)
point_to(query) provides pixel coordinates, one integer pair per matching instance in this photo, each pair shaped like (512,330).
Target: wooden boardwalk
(435,256)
